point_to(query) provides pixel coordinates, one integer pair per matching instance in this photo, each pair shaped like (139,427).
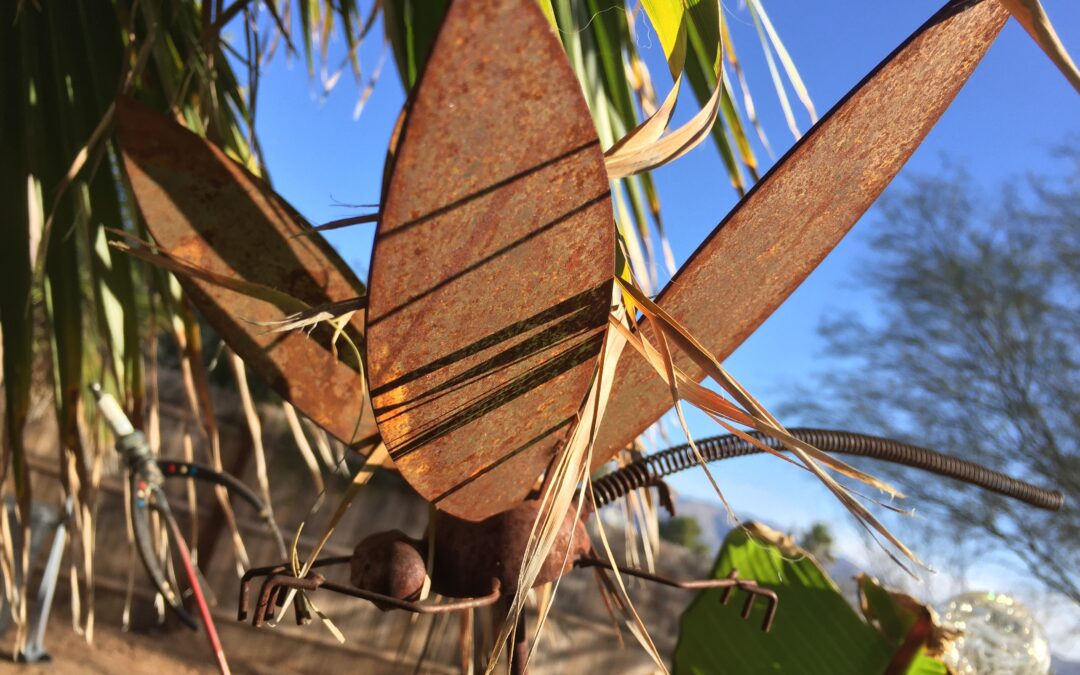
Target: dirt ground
(115,651)
(579,638)
(183,652)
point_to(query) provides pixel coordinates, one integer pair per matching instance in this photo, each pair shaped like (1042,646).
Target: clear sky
(1014,108)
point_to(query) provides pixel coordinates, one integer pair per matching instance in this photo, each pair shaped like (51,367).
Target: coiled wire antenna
(649,470)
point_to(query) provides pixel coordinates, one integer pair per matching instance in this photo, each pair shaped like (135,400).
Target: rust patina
(493,259)
(205,209)
(491,276)
(792,219)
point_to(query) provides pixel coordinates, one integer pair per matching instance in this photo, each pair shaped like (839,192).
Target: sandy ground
(114,651)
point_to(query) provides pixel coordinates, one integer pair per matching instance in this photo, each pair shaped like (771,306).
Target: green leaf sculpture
(817,631)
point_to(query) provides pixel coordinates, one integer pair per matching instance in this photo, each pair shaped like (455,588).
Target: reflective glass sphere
(1000,636)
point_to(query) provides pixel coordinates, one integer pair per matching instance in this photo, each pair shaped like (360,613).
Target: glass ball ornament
(1000,636)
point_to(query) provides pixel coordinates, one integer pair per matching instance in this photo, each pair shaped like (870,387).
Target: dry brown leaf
(752,413)
(646,147)
(1033,18)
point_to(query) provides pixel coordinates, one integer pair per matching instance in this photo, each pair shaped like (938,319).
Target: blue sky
(1014,108)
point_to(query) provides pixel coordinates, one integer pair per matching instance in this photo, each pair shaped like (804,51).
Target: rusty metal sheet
(797,213)
(208,210)
(491,275)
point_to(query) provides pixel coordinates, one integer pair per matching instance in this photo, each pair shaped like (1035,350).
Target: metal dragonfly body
(478,349)
(479,562)
(479,565)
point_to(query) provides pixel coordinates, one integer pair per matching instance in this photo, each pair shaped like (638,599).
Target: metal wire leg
(729,584)
(279,577)
(302,615)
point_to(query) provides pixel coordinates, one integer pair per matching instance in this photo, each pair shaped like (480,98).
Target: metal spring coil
(650,469)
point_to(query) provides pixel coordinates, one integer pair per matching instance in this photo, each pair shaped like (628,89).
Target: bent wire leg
(279,577)
(729,584)
(282,569)
(418,607)
(271,592)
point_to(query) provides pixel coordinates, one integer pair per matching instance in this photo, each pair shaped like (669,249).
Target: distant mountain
(712,517)
(715,525)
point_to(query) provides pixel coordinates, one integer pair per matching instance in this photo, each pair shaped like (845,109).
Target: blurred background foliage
(973,347)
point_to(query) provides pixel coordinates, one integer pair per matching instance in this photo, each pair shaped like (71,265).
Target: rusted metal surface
(474,557)
(790,221)
(204,208)
(470,554)
(492,266)
(389,563)
(478,563)
(729,583)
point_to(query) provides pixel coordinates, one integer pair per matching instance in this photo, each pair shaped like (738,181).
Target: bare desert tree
(974,349)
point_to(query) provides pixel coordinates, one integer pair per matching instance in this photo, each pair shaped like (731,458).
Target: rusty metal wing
(491,276)
(775,237)
(208,211)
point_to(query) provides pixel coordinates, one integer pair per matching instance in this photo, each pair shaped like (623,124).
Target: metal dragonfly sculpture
(492,282)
